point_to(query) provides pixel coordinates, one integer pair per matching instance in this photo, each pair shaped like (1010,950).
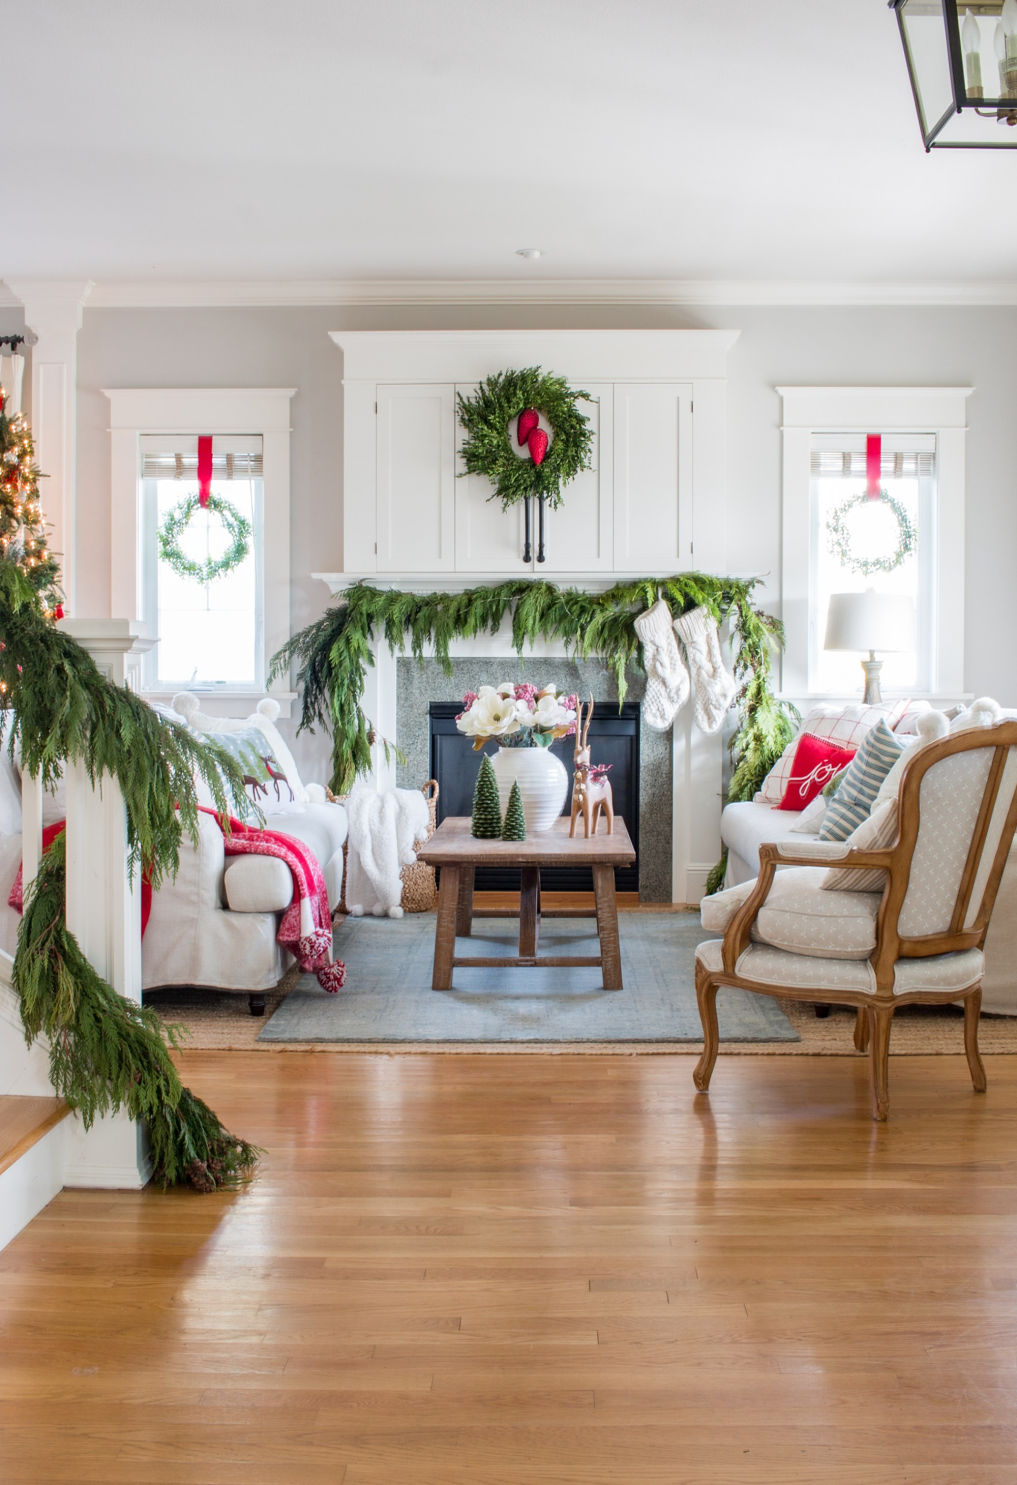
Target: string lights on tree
(23,538)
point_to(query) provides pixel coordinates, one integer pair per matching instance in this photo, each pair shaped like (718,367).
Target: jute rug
(214,1021)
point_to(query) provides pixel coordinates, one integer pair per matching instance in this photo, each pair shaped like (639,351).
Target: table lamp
(870,621)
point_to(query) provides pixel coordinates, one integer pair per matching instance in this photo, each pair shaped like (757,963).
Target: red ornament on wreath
(537,444)
(528,420)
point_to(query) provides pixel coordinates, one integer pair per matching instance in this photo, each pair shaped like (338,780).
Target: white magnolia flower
(490,716)
(547,713)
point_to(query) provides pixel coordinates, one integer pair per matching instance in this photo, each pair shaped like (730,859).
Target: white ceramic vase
(543,783)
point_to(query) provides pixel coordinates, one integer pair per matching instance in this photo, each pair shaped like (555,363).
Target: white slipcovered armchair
(215,923)
(896,914)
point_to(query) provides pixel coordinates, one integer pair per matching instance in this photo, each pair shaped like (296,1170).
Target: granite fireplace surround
(419,683)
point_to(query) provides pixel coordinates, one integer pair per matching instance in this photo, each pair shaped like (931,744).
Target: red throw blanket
(16,899)
(306,927)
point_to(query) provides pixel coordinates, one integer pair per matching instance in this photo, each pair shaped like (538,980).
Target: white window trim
(183,410)
(938,410)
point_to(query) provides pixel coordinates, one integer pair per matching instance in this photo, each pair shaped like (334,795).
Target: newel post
(104,906)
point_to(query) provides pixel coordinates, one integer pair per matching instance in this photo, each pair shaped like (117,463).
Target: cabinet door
(579,532)
(488,539)
(416,478)
(652,477)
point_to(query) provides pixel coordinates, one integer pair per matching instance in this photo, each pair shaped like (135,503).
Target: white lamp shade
(870,621)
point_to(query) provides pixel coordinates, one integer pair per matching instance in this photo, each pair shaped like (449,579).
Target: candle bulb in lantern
(1008,21)
(971,43)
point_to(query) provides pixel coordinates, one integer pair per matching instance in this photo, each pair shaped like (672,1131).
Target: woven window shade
(902,456)
(843,465)
(176,458)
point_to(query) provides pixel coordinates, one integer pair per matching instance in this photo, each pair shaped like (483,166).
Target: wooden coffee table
(458,854)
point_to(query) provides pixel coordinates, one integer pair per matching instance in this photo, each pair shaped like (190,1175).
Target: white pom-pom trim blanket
(306,926)
(383,830)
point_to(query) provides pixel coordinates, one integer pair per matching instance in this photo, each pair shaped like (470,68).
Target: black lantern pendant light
(962,60)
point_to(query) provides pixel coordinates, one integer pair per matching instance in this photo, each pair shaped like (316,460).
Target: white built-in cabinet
(652,501)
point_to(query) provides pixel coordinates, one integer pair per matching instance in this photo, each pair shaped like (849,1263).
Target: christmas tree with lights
(22,529)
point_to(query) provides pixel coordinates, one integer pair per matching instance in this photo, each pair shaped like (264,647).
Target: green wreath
(840,536)
(490,419)
(173,554)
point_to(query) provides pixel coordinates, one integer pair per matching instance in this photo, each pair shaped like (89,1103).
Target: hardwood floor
(483,1270)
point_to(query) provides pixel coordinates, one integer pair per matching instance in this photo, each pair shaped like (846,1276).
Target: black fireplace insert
(614,740)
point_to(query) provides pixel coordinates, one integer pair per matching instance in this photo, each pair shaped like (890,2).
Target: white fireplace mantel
(696,759)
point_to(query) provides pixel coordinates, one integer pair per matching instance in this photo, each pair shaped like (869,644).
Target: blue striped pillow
(852,803)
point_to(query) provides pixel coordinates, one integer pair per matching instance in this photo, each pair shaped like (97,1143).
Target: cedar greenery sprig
(106,1052)
(63,708)
(333,653)
(489,420)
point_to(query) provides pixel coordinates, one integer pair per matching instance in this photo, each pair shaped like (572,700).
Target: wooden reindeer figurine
(591,791)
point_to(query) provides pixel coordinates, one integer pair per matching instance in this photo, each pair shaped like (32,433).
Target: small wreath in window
(179,517)
(505,440)
(839,528)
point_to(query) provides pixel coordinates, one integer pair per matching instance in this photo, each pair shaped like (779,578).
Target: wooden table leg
(464,907)
(529,911)
(445,928)
(607,926)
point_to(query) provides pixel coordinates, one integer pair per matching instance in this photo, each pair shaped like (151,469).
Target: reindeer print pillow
(265,781)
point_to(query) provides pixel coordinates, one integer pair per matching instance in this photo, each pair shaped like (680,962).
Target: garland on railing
(106,1052)
(334,652)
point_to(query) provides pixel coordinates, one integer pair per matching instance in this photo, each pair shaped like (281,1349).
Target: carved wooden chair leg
(706,996)
(972,1011)
(862,1029)
(880,1021)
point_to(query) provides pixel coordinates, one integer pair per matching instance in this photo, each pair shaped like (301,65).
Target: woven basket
(419,891)
(340,909)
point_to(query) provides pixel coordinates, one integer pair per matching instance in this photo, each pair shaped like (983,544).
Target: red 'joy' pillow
(814,765)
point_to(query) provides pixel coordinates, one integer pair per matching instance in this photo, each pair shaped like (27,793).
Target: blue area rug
(388,997)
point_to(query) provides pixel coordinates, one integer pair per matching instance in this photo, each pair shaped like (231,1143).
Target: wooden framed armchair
(895,915)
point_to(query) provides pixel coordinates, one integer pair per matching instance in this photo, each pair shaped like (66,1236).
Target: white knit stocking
(667,680)
(713,685)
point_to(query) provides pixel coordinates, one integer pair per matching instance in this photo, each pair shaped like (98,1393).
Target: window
(828,535)
(209,631)
(849,532)
(219,634)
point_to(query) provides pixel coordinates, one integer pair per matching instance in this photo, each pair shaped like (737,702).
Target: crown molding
(335,293)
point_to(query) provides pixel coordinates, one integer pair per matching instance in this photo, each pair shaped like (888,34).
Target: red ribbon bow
(204,470)
(873,463)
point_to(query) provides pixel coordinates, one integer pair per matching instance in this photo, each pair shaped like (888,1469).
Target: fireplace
(641,777)
(680,771)
(614,739)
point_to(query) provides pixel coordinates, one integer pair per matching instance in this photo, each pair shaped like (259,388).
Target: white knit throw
(383,830)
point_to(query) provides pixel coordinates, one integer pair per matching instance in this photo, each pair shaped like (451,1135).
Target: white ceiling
(343,141)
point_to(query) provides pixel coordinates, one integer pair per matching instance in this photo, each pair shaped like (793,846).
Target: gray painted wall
(821,346)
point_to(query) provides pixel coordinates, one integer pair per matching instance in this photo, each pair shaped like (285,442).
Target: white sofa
(744,827)
(214,924)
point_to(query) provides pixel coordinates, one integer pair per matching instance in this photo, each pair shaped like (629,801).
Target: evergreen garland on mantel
(107,1052)
(334,652)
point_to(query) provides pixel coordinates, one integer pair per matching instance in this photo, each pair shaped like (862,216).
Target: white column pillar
(104,907)
(53,310)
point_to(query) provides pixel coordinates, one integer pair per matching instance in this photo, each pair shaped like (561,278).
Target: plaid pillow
(843,725)
(856,793)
